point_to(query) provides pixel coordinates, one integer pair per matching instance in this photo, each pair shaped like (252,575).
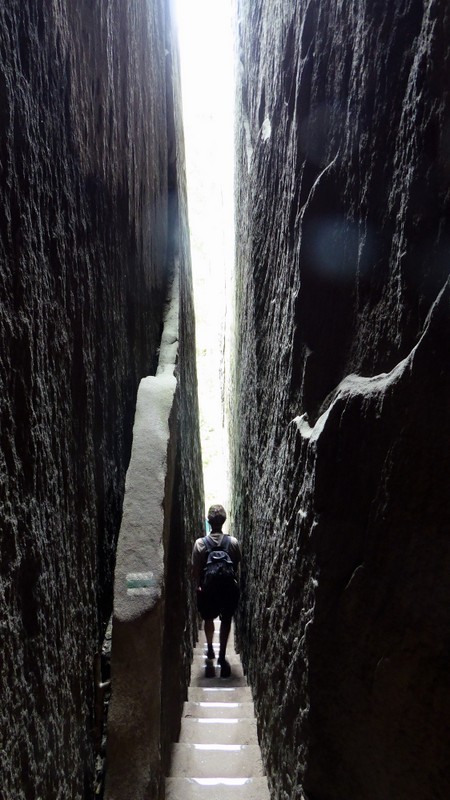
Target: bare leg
(225,627)
(209,631)
(210,671)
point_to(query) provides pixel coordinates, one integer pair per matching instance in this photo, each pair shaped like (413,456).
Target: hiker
(214,563)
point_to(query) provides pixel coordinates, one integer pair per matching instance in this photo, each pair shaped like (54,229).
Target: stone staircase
(217,756)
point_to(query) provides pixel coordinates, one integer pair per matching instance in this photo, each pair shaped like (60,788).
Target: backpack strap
(224,545)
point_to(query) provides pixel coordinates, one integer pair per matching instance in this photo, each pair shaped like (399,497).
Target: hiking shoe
(225,669)
(210,670)
(210,653)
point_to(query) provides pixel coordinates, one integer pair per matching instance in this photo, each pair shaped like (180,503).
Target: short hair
(217,514)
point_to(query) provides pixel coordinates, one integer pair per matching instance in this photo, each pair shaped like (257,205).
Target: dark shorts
(212,604)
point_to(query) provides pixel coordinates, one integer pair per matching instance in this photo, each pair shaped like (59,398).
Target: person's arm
(196,565)
(236,555)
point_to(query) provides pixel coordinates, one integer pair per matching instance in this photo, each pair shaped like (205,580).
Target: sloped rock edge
(134,724)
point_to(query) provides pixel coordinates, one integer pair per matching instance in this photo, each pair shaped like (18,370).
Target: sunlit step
(219,731)
(223,693)
(205,761)
(218,708)
(198,675)
(232,658)
(217,757)
(217,789)
(234,681)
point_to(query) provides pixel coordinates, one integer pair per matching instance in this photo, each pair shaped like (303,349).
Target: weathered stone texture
(154,625)
(340,481)
(88,185)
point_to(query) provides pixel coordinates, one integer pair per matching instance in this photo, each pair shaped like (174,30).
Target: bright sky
(205,31)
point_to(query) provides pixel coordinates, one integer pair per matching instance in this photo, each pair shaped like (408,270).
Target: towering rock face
(341,375)
(88,234)
(154,619)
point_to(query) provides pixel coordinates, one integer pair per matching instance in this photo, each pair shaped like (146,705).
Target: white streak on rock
(266,130)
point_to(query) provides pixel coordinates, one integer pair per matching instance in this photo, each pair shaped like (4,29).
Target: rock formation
(93,219)
(341,421)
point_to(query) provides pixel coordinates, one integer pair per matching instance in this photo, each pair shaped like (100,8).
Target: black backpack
(218,572)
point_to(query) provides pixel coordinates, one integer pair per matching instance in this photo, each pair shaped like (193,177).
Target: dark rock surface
(154,626)
(341,374)
(88,186)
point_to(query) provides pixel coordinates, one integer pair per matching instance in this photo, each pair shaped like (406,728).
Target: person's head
(216,517)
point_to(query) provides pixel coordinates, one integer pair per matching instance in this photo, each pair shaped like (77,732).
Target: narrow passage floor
(217,756)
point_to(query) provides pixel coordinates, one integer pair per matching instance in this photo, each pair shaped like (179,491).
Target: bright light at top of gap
(205,32)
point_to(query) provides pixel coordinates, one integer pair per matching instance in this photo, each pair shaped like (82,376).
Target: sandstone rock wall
(89,188)
(153,628)
(341,375)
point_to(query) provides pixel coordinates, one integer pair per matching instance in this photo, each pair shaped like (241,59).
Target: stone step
(200,655)
(218,708)
(217,789)
(235,680)
(216,761)
(219,731)
(220,694)
(201,641)
(198,675)
(200,662)
(217,757)
(201,647)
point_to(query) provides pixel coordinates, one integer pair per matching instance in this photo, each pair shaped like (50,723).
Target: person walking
(215,559)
